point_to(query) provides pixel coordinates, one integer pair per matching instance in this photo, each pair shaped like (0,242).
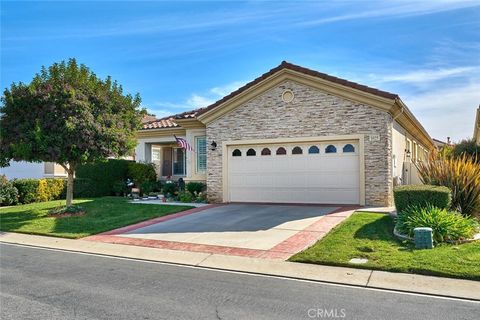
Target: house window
(236,153)
(266,152)
(178,162)
(156,154)
(281,151)
(201,154)
(313,150)
(251,152)
(330,149)
(348,148)
(297,150)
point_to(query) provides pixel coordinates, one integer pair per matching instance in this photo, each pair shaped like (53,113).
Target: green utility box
(423,238)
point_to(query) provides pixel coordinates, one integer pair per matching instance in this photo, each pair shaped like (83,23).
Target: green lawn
(103,214)
(369,235)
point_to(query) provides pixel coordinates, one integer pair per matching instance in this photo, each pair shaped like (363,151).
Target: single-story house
(293,135)
(34,170)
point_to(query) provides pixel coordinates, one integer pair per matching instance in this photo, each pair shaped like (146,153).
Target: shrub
(142,172)
(119,188)
(169,188)
(184,196)
(195,187)
(84,188)
(101,176)
(55,188)
(73,210)
(8,193)
(49,189)
(421,196)
(446,225)
(469,148)
(461,175)
(27,190)
(147,187)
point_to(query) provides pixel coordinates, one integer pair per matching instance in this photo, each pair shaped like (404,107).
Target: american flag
(182,143)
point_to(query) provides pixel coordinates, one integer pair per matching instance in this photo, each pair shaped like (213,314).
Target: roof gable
(289,66)
(349,90)
(287,71)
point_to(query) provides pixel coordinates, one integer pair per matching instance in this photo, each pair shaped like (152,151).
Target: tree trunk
(70,169)
(70,188)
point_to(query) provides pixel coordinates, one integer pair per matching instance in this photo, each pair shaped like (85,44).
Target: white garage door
(323,172)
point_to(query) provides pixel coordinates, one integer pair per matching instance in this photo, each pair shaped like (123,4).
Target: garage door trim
(359,137)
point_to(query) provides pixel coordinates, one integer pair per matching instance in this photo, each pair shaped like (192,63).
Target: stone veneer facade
(312,113)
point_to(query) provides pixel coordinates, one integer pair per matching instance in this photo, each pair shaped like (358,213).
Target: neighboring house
(440,144)
(23,169)
(476,129)
(293,135)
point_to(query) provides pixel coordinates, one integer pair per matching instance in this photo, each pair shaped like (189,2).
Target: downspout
(393,120)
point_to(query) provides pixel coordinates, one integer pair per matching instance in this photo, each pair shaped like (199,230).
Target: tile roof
(160,123)
(169,122)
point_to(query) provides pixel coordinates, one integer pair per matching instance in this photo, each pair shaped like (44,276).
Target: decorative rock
(358,260)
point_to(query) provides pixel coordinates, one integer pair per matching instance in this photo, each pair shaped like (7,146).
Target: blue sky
(183,55)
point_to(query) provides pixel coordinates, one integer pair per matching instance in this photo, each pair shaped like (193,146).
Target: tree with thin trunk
(69,116)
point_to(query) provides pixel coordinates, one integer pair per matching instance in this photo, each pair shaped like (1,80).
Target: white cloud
(447,112)
(427,75)
(393,9)
(194,101)
(226,89)
(198,101)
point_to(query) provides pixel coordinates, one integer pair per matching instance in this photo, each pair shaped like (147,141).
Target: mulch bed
(66,214)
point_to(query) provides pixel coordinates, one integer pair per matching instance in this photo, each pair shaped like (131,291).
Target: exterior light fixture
(213,145)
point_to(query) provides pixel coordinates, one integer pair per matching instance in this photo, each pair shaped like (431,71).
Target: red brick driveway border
(298,242)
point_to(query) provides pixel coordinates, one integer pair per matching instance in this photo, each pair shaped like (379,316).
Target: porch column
(148,153)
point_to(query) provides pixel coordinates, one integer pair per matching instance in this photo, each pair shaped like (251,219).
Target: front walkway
(249,230)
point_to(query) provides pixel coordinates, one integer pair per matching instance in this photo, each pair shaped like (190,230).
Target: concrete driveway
(258,230)
(251,226)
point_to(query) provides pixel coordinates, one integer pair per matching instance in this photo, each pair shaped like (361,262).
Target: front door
(167,161)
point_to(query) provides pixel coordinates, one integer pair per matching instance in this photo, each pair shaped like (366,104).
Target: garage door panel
(307,178)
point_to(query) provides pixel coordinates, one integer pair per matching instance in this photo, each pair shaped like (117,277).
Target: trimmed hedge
(99,178)
(105,178)
(39,190)
(141,172)
(50,189)
(27,190)
(422,196)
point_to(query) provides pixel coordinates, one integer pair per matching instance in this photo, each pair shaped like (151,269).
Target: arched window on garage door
(266,152)
(348,148)
(251,152)
(281,151)
(330,149)
(236,153)
(313,150)
(297,150)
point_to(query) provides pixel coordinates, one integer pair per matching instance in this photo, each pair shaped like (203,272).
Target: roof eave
(413,124)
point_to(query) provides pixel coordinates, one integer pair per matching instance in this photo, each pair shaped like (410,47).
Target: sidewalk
(357,277)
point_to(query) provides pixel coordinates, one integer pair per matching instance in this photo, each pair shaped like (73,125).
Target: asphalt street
(45,284)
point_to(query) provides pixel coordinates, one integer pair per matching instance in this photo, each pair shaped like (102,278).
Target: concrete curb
(436,286)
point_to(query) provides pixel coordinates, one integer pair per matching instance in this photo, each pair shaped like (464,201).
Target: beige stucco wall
(312,113)
(399,146)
